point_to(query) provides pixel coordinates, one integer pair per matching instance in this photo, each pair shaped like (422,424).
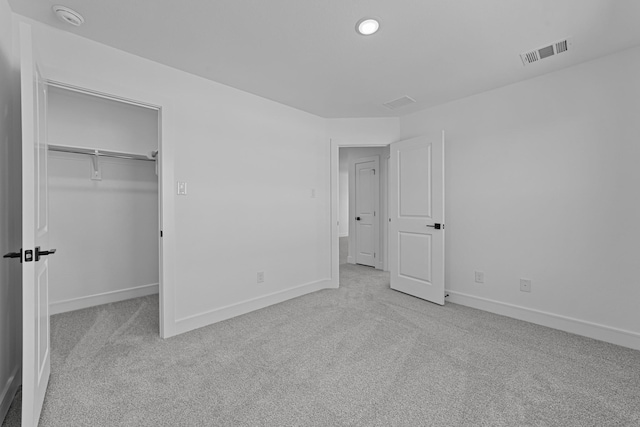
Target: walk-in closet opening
(103,198)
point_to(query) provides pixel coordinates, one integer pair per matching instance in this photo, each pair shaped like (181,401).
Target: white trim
(385,218)
(9,392)
(343,234)
(103,298)
(596,331)
(334,190)
(167,217)
(206,318)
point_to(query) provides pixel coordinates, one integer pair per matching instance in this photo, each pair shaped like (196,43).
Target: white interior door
(367,173)
(35,227)
(416,230)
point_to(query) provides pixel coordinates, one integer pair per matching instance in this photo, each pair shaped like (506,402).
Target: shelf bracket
(96,172)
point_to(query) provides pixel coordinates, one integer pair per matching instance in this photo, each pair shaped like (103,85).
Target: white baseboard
(199,320)
(596,331)
(9,391)
(350,260)
(103,298)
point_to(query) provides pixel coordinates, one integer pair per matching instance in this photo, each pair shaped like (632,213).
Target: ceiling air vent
(562,46)
(400,102)
(546,51)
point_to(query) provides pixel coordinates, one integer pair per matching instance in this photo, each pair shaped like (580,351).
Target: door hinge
(374,213)
(161,233)
(374,171)
(374,254)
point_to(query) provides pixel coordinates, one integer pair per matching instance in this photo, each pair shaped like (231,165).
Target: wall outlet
(479,276)
(182,188)
(525,285)
(260,276)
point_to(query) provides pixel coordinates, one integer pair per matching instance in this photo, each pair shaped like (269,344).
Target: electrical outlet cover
(479,276)
(525,285)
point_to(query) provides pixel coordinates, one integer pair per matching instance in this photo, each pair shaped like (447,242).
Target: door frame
(166,219)
(385,223)
(335,202)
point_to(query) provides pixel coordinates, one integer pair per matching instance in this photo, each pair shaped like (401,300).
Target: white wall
(363,132)
(83,120)
(542,183)
(106,232)
(10,290)
(250,165)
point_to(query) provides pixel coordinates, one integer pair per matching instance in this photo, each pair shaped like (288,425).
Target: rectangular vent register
(544,52)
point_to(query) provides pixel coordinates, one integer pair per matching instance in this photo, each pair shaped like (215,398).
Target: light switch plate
(479,276)
(182,188)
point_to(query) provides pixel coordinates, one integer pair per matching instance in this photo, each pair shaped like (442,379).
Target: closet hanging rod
(103,153)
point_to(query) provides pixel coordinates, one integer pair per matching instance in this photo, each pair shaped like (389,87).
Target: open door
(35,227)
(416,228)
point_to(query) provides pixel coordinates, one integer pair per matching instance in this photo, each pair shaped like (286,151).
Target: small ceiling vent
(546,51)
(400,102)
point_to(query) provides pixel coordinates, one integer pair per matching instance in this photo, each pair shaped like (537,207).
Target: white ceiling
(306,53)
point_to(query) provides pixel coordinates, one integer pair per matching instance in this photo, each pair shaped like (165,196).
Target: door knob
(13,255)
(40,253)
(357,218)
(436,226)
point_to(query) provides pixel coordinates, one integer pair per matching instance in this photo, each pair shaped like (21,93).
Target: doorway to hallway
(363,205)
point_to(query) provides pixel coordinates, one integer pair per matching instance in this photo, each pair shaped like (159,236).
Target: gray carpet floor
(361,355)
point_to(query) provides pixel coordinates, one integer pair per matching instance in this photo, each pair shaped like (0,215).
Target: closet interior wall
(106,231)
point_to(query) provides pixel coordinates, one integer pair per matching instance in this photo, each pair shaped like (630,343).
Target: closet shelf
(104,153)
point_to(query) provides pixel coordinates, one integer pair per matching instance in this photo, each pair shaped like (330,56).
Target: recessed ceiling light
(67,15)
(367,26)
